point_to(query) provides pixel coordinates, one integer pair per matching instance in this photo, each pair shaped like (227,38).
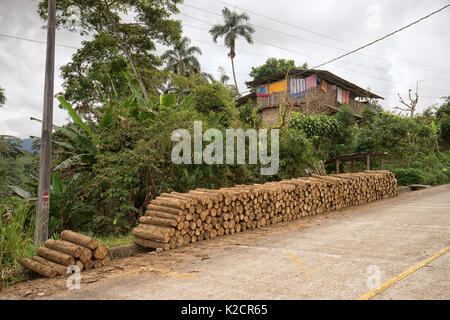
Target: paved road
(333,260)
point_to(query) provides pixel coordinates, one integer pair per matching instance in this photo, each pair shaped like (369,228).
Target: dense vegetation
(115,154)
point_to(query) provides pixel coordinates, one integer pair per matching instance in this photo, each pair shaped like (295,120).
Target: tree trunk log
(64,247)
(100,252)
(79,239)
(152,244)
(40,268)
(59,268)
(55,256)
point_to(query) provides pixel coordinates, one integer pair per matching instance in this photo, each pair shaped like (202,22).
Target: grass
(16,239)
(115,240)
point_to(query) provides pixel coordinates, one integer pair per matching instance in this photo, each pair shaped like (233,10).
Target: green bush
(435,168)
(323,131)
(408,176)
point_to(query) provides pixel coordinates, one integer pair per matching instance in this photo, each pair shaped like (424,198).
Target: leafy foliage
(182,58)
(118,47)
(10,147)
(404,138)
(408,176)
(274,66)
(324,131)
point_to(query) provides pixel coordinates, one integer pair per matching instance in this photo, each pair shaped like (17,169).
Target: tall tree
(181,59)
(236,25)
(111,18)
(100,67)
(273,66)
(2,97)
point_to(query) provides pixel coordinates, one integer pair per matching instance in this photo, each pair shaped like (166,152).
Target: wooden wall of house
(328,99)
(270,116)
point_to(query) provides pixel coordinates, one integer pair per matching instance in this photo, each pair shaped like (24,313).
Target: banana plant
(66,210)
(75,143)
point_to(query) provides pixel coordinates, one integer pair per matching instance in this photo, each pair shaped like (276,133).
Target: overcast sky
(305,31)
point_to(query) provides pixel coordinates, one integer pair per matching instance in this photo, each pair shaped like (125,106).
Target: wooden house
(309,91)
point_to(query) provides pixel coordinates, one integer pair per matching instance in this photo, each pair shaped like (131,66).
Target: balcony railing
(314,94)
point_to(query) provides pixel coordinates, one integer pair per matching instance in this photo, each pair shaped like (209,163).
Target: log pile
(72,249)
(176,219)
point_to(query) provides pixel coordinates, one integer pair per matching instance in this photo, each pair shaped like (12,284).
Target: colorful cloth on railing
(311,81)
(324,86)
(262,91)
(345,96)
(339,95)
(280,86)
(297,88)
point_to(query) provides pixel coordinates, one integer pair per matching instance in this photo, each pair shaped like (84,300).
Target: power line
(268,56)
(35,41)
(290,50)
(316,42)
(323,35)
(384,37)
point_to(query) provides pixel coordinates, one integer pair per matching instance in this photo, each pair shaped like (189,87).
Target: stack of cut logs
(176,219)
(73,249)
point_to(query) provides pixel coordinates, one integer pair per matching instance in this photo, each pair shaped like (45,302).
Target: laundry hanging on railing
(297,88)
(339,95)
(280,86)
(345,96)
(324,86)
(262,91)
(311,81)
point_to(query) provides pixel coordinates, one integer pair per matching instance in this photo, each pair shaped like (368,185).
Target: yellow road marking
(402,275)
(174,274)
(302,267)
(295,258)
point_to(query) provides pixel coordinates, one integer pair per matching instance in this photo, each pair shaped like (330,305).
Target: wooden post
(382,162)
(353,165)
(337,166)
(368,162)
(43,196)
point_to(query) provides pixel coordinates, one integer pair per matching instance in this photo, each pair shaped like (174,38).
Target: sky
(305,31)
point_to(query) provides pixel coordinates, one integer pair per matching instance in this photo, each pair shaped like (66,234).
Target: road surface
(337,256)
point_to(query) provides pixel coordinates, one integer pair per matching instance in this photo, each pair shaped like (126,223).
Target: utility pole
(43,196)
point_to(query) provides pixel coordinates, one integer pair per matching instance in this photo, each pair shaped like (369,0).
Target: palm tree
(235,25)
(208,77)
(224,79)
(182,58)
(2,97)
